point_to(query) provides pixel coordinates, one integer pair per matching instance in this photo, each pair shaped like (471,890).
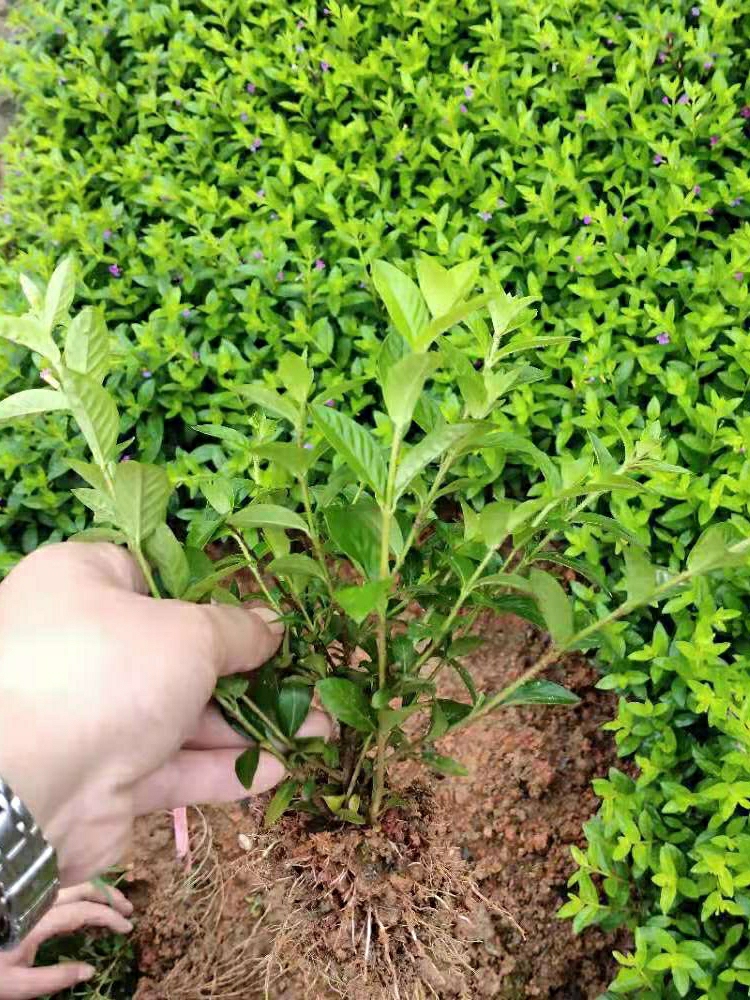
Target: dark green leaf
(454,711)
(554,604)
(292,707)
(280,802)
(540,692)
(347,703)
(267,515)
(355,445)
(359,602)
(444,765)
(430,448)
(246,765)
(200,588)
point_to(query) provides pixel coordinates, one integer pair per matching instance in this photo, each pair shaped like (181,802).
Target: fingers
(92,893)
(197,777)
(316,724)
(243,638)
(66,918)
(28,984)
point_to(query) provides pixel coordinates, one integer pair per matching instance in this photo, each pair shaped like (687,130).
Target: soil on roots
(456,900)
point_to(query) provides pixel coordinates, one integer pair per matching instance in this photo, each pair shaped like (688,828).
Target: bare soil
(458,899)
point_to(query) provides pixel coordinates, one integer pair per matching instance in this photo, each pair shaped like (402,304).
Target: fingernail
(271,619)
(86,972)
(128,906)
(128,926)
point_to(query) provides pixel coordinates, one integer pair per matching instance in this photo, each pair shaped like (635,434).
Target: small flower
(485,216)
(581,116)
(709,211)
(363,284)
(273,216)
(187,313)
(146,373)
(501,203)
(260,193)
(258,254)
(320,264)
(329,402)
(658,158)
(579,258)
(663,338)
(107,234)
(46,375)
(244,116)
(307,446)
(587,220)
(745,112)
(301,25)
(665,100)
(662,57)
(695,11)
(713,141)
(256,144)
(697,189)
(683,99)
(324,66)
(463,109)
(739,276)
(299,47)
(250,88)
(468,92)
(115,270)
(618,17)
(326,12)
(7,218)
(398,157)
(624,218)
(708,64)
(735,202)
(196,356)
(125,458)
(279,275)
(608,42)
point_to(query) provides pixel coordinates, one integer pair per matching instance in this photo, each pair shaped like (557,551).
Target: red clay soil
(512,821)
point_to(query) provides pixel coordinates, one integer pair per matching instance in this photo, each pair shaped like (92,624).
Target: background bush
(226,171)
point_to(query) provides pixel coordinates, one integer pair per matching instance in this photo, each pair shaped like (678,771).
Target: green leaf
(292,707)
(99,535)
(355,445)
(267,515)
(640,576)
(493,522)
(355,531)
(87,344)
(438,723)
(444,765)
(280,802)
(454,711)
(246,765)
(430,448)
(541,693)
(33,293)
(166,554)
(31,401)
(554,604)
(711,551)
(456,315)
(271,401)
(26,331)
(296,377)
(96,415)
(199,588)
(347,703)
(403,384)
(296,565)
(359,602)
(511,580)
(464,645)
(97,501)
(293,459)
(59,295)
(443,288)
(607,464)
(403,300)
(219,493)
(90,473)
(507,312)
(141,495)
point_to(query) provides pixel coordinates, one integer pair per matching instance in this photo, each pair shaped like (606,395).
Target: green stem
(268,722)
(255,733)
(250,562)
(358,766)
(145,569)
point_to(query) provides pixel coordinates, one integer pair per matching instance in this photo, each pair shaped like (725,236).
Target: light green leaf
(219,493)
(296,377)
(267,515)
(33,293)
(59,295)
(293,459)
(166,554)
(430,448)
(347,703)
(296,564)
(87,344)
(507,312)
(31,401)
(403,300)
(352,442)
(96,501)
(607,463)
(360,601)
(493,522)
(90,473)
(511,580)
(99,535)
(27,331)
(198,590)
(456,315)
(443,288)
(444,765)
(712,548)
(246,765)
(280,802)
(554,605)
(96,415)
(141,495)
(541,693)
(403,384)
(355,531)
(640,575)
(272,401)
(292,707)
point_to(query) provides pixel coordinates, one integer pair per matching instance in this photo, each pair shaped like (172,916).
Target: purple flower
(244,116)
(256,144)
(307,447)
(326,12)
(579,258)
(663,338)
(146,373)
(697,189)
(463,109)
(658,158)
(609,42)
(485,216)
(7,218)
(320,264)
(709,211)
(468,92)
(745,112)
(329,402)
(46,375)
(115,270)
(739,276)
(187,313)
(260,193)
(665,100)
(250,88)
(196,356)
(125,458)
(708,64)
(735,202)
(683,99)
(279,275)
(713,141)
(107,234)
(695,11)
(324,66)
(501,203)
(258,254)
(299,47)
(624,218)
(662,57)
(618,17)
(587,220)
(301,25)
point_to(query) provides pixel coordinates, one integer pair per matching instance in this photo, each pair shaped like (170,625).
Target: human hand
(78,907)
(104,699)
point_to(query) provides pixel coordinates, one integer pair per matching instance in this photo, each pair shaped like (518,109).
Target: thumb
(28,984)
(244,638)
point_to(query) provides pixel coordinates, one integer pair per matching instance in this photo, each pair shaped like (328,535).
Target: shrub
(609,151)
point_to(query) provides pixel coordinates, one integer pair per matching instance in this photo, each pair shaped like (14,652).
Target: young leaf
(443,288)
(454,711)
(59,295)
(99,535)
(32,291)
(352,442)
(267,515)
(290,457)
(430,448)
(347,703)
(292,707)
(355,531)
(280,802)
(403,384)
(205,585)
(444,765)
(554,604)
(246,765)
(542,693)
(87,344)
(88,472)
(455,316)
(640,575)
(167,555)
(219,493)
(493,522)
(712,548)
(296,564)
(270,400)
(438,723)
(31,401)
(607,464)
(295,376)
(95,413)
(26,331)
(141,495)
(97,501)
(359,602)
(403,300)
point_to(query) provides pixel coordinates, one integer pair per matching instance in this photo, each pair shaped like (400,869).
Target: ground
(512,821)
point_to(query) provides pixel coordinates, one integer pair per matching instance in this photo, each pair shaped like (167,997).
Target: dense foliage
(225,172)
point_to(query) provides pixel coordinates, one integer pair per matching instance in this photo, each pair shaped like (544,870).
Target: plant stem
(145,569)
(268,722)
(358,766)
(254,570)
(255,733)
